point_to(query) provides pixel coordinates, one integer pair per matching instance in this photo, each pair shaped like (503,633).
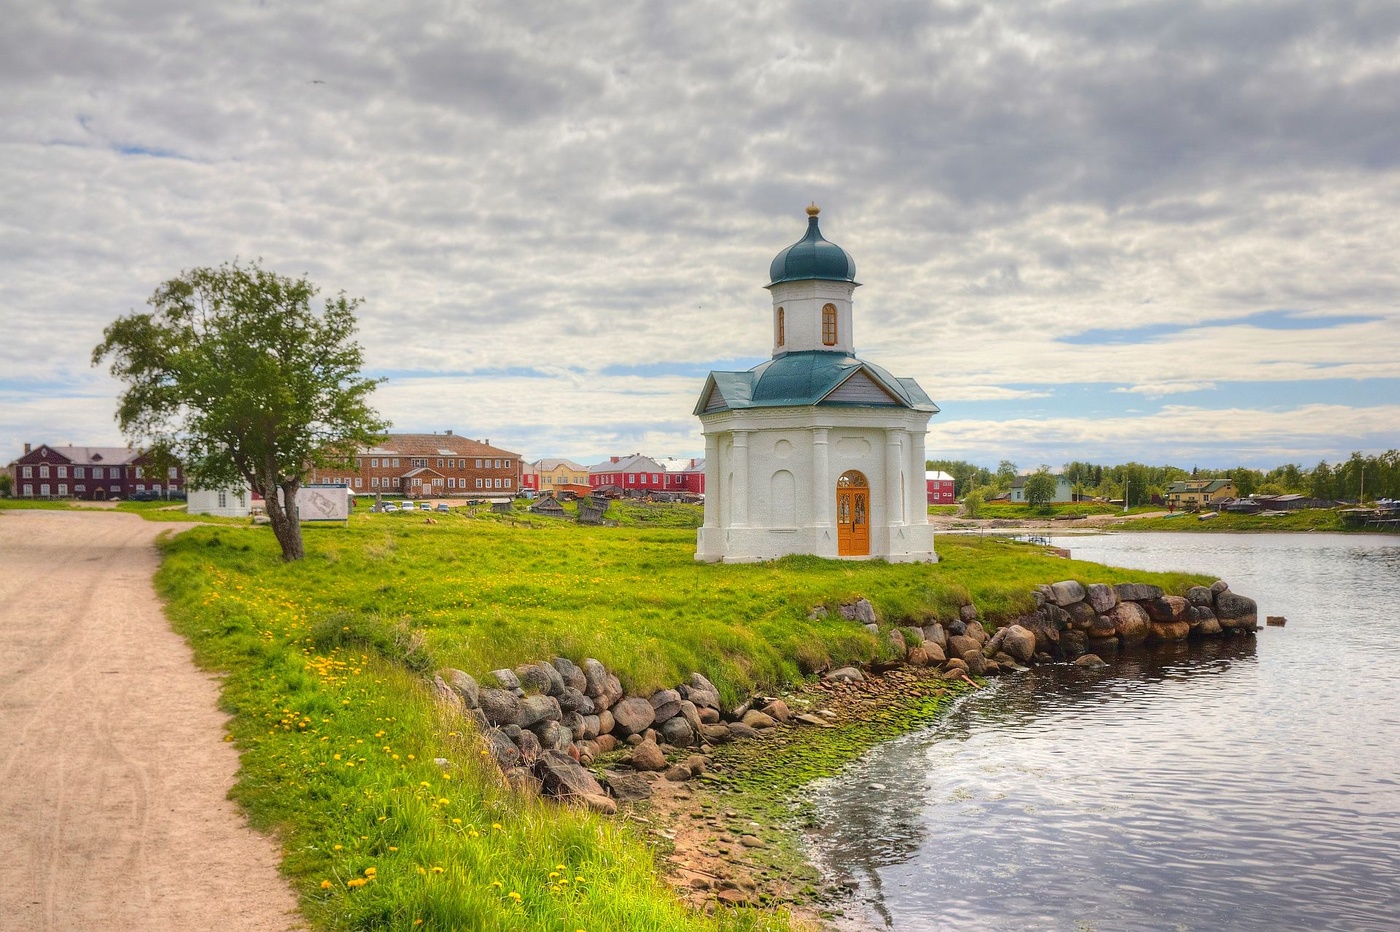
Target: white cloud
(524,186)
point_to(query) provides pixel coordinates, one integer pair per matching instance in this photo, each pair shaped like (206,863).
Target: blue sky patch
(1264,320)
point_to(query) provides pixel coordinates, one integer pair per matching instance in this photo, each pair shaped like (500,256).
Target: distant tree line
(1372,476)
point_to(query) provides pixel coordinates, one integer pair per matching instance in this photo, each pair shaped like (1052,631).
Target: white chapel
(816,450)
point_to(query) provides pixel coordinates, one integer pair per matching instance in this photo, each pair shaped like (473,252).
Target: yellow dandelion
(514,896)
(438,870)
(371,871)
(392,848)
(578,880)
(339,847)
(356,883)
(497,884)
(422,870)
(496,826)
(325,885)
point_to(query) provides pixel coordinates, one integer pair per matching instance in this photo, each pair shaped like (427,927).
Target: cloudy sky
(1093,230)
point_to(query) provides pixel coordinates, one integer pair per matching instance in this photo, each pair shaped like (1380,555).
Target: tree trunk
(283,514)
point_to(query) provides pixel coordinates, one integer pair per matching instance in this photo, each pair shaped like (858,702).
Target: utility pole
(1125,494)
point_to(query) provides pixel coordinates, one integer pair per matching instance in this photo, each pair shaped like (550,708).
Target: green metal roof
(812,257)
(805,378)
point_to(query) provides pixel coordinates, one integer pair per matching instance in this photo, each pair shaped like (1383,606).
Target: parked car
(442,506)
(389,506)
(425,506)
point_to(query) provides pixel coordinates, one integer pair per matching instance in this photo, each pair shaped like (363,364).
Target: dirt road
(113,768)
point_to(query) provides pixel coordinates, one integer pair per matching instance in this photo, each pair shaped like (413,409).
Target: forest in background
(1357,478)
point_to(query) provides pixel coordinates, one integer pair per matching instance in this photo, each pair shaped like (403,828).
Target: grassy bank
(1312,519)
(339,738)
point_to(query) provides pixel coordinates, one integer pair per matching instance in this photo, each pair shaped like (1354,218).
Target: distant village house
(429,466)
(1193,493)
(90,473)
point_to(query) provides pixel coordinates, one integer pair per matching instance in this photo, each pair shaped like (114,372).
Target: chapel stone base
(900,544)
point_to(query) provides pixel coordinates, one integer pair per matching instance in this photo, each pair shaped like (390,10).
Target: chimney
(27,448)
(449,433)
(616,458)
(487,441)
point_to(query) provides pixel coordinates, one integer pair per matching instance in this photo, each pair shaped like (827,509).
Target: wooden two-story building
(1197,493)
(89,473)
(429,466)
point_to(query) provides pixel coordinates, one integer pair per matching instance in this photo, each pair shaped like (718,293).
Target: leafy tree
(236,375)
(973,502)
(1006,472)
(7,484)
(1040,489)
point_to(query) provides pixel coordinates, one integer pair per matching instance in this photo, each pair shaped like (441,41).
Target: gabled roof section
(811,378)
(434,445)
(634,463)
(548,465)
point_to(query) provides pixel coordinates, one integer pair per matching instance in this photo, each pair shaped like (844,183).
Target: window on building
(63,488)
(829,324)
(782,327)
(373,462)
(29,491)
(396,462)
(478,464)
(439,462)
(420,461)
(80,489)
(451,482)
(172,474)
(63,472)
(140,472)
(223,499)
(507,483)
(44,471)
(79,472)
(44,489)
(359,483)
(478,483)
(140,487)
(631,478)
(156,487)
(29,472)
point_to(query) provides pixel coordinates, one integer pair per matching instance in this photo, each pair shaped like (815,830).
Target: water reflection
(1241,784)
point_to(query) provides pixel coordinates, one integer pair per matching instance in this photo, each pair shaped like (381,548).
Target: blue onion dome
(812,257)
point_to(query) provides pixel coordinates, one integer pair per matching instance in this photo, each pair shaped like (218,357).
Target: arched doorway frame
(852,514)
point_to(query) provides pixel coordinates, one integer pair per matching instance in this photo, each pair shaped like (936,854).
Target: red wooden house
(940,487)
(90,473)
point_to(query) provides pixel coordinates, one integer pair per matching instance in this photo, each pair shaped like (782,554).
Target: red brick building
(90,473)
(429,466)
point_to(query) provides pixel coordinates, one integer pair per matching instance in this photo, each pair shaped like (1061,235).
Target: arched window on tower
(782,327)
(829,324)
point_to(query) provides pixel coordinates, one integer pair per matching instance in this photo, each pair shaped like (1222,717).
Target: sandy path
(113,770)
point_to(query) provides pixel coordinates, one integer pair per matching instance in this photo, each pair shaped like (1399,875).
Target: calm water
(1250,784)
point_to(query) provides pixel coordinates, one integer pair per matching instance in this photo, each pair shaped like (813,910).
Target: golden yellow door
(852,515)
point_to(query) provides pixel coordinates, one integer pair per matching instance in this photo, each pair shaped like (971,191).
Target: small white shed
(232,502)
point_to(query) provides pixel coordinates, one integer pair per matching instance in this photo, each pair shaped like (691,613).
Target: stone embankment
(544,723)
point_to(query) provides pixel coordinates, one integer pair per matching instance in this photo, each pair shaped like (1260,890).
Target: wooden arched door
(852,515)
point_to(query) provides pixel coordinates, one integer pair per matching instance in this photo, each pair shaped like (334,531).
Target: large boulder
(897,642)
(1205,623)
(758,720)
(860,610)
(1082,615)
(553,736)
(595,678)
(628,787)
(717,733)
(1102,626)
(676,731)
(533,709)
(562,776)
(500,706)
(605,722)
(690,714)
(502,749)
(1136,592)
(1167,609)
(529,744)
(934,634)
(1130,620)
(1169,631)
(1066,592)
(540,678)
(632,716)
(1200,595)
(934,653)
(1072,643)
(647,756)
(1219,586)
(1101,596)
(573,676)
(960,644)
(777,710)
(976,663)
(505,679)
(464,685)
(572,700)
(1236,611)
(588,727)
(702,692)
(666,704)
(1019,642)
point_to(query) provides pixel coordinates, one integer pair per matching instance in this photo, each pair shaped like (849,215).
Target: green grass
(1075,509)
(323,663)
(1310,519)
